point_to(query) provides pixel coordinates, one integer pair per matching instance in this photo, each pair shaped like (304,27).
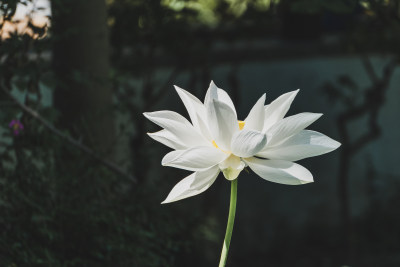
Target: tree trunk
(81,62)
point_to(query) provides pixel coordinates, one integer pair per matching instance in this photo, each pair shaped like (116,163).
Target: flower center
(231,167)
(241,125)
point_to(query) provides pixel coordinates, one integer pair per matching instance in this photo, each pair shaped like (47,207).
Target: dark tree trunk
(81,63)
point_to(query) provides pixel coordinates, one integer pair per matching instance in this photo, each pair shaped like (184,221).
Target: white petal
(196,110)
(278,108)
(280,171)
(195,158)
(214,92)
(222,122)
(305,144)
(246,143)
(178,126)
(290,126)
(170,156)
(255,119)
(192,185)
(169,139)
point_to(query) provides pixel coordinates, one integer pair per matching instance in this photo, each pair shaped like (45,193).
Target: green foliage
(58,207)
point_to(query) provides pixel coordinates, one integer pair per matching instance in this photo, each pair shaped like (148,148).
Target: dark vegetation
(79,186)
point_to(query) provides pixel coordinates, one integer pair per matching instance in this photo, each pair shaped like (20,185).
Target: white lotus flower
(216,141)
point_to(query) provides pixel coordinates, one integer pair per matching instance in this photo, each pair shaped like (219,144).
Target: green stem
(229,227)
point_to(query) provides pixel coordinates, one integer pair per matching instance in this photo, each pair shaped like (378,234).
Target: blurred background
(81,182)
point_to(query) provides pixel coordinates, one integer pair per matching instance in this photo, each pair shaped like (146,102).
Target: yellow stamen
(214,144)
(241,124)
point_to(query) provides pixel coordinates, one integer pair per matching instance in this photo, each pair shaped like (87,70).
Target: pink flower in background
(16,126)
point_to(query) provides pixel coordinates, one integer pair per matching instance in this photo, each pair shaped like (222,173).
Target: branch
(374,99)
(110,165)
(369,69)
